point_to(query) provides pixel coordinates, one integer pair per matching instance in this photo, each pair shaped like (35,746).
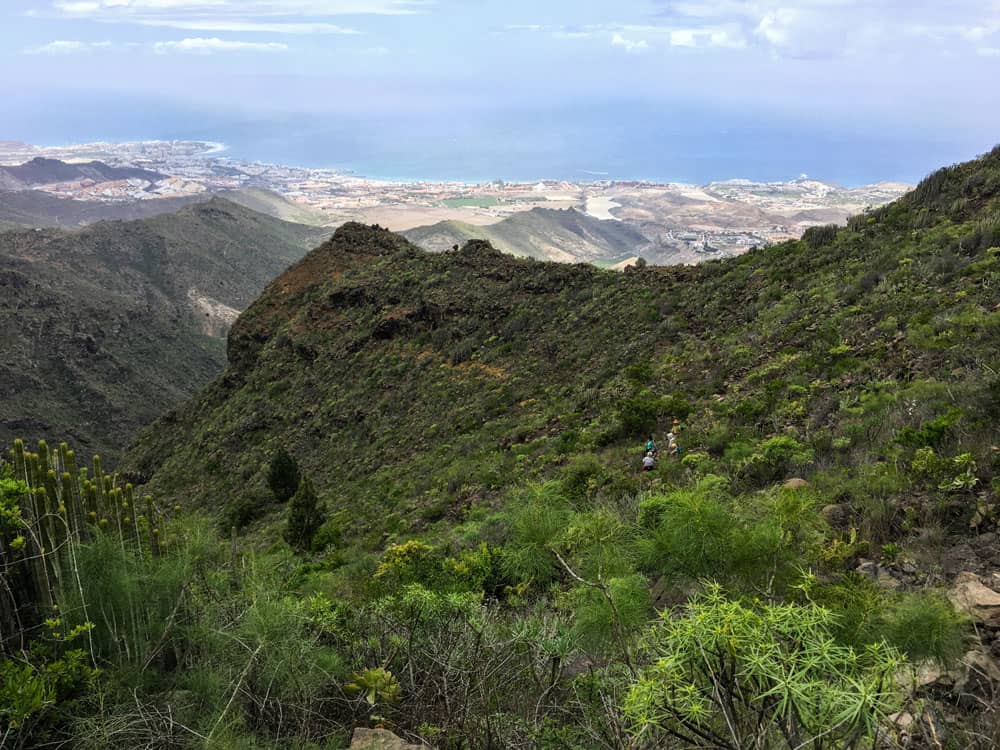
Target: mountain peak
(367,239)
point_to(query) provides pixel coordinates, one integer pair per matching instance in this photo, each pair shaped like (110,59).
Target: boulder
(379,739)
(980,602)
(838,515)
(795,483)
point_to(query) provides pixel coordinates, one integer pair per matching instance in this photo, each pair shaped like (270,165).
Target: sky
(916,73)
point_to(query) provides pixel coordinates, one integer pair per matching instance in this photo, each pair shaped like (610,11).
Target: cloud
(262,27)
(831,28)
(198,9)
(61,47)
(201,46)
(623,35)
(632,46)
(988,51)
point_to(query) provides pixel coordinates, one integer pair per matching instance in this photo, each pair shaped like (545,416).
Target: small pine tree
(304,517)
(283,476)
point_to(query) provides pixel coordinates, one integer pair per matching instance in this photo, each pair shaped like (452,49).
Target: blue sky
(907,69)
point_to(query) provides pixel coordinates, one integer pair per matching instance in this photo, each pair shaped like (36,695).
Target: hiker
(649,462)
(651,446)
(672,448)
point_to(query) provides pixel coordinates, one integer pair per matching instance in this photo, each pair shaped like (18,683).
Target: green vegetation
(484,202)
(101,329)
(490,568)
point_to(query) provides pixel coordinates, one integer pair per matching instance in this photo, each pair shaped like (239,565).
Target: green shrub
(409,562)
(638,415)
(820,236)
(925,626)
(305,516)
(774,458)
(700,463)
(931,433)
(537,518)
(728,674)
(481,569)
(283,476)
(693,536)
(598,543)
(639,374)
(244,509)
(582,477)
(605,621)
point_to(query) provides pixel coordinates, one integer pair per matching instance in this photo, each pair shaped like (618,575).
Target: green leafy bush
(733,675)
(774,458)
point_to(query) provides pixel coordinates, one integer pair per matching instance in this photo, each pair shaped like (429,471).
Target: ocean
(611,140)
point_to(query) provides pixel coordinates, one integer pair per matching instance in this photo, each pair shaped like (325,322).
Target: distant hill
(276,205)
(34,208)
(567,236)
(104,328)
(41,171)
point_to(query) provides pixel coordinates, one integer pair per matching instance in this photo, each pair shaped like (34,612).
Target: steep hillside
(414,386)
(41,171)
(567,236)
(435,463)
(104,328)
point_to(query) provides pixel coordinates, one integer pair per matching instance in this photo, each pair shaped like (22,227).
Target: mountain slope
(276,205)
(41,171)
(34,208)
(541,233)
(418,386)
(105,328)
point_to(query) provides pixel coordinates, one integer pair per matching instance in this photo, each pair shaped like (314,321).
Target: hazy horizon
(692,91)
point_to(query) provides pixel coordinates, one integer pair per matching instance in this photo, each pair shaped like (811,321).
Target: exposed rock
(980,676)
(379,739)
(878,574)
(969,595)
(907,730)
(902,721)
(795,483)
(838,515)
(931,674)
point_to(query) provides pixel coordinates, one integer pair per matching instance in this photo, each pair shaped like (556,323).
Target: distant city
(682,223)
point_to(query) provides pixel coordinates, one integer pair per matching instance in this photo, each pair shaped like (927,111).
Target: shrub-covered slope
(410,570)
(104,328)
(415,387)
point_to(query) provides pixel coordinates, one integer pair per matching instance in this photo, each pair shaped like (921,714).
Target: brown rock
(980,674)
(795,483)
(379,739)
(969,595)
(838,515)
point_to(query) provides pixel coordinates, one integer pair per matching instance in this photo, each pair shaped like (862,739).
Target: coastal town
(683,223)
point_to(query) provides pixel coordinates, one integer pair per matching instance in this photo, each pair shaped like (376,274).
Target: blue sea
(624,140)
